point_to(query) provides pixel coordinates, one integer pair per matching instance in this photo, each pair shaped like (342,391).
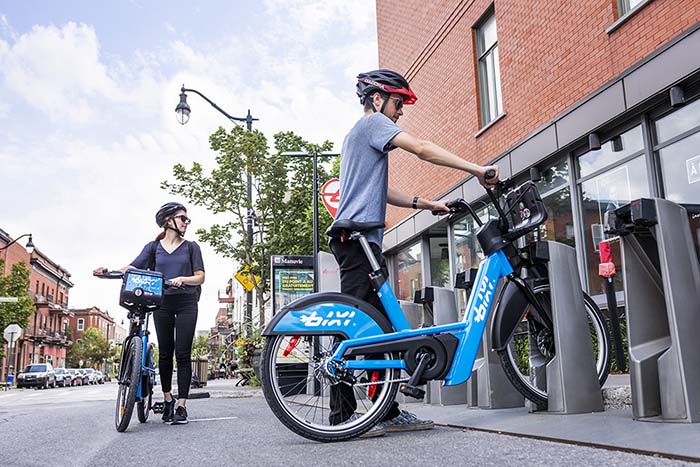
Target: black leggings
(175,324)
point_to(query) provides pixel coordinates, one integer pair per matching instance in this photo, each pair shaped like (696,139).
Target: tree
(282,199)
(92,348)
(16,284)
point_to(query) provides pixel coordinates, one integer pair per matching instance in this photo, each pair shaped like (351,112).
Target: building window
(468,252)
(556,195)
(408,271)
(81,324)
(625,6)
(605,192)
(678,135)
(489,70)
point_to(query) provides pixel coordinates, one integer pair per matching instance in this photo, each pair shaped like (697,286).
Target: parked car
(92,376)
(39,375)
(100,377)
(76,379)
(84,375)
(63,378)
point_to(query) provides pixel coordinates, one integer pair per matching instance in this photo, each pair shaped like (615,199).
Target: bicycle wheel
(298,390)
(532,346)
(128,383)
(143,409)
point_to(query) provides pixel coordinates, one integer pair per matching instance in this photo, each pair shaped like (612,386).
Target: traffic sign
(12,333)
(330,194)
(246,279)
(8,299)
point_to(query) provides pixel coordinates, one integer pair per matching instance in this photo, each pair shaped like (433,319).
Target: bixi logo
(332,318)
(483,294)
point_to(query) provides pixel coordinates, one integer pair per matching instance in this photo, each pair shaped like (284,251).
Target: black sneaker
(168,409)
(180,417)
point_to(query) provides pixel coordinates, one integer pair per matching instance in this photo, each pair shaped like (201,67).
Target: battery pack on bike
(141,291)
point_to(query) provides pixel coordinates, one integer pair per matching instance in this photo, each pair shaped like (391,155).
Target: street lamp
(29,246)
(183,116)
(315,154)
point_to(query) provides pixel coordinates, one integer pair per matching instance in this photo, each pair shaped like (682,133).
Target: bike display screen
(149,284)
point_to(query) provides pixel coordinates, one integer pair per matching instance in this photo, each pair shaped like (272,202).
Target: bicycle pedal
(158,407)
(412,391)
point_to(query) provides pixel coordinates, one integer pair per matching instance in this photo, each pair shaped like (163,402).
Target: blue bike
(329,339)
(141,294)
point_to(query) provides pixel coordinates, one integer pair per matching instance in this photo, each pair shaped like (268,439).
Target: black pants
(354,280)
(175,324)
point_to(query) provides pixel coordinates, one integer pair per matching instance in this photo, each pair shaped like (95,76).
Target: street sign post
(11,334)
(8,299)
(246,279)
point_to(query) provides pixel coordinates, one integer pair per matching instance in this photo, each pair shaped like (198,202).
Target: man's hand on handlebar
(488,176)
(439,208)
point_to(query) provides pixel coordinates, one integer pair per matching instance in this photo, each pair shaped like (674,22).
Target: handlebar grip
(489,174)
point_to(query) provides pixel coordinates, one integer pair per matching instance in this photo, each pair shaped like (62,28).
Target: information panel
(292,278)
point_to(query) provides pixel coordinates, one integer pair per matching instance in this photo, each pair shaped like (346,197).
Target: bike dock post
(662,292)
(571,378)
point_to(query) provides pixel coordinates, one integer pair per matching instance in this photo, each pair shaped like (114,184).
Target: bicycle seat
(348,226)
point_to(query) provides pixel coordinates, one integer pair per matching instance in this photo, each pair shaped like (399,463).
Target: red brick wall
(552,54)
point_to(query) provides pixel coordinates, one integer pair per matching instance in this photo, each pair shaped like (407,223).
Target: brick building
(46,337)
(93,317)
(600,95)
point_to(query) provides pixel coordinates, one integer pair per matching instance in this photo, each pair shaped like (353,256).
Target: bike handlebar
(120,275)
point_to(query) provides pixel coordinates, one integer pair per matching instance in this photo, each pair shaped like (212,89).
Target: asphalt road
(74,427)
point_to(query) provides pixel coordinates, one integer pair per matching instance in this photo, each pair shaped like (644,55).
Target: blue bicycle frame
(144,369)
(330,318)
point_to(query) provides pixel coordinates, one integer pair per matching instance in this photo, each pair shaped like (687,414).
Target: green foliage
(92,348)
(282,198)
(16,284)
(246,346)
(200,347)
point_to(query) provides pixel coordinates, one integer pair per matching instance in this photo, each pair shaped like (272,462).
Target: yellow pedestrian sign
(246,279)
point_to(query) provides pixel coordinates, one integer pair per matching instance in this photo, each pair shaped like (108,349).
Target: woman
(180,261)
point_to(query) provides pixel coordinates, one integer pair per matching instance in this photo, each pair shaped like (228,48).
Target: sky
(87,123)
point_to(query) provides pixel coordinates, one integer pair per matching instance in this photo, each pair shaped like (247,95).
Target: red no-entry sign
(330,194)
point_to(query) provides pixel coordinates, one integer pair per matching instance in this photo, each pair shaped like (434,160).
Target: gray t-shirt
(364,172)
(173,264)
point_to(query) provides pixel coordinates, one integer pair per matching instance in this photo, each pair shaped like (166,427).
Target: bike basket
(526,210)
(141,290)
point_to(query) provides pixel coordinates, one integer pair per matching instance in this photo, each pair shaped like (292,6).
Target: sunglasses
(398,102)
(184,219)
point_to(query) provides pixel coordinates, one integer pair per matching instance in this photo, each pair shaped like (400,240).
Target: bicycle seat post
(367,249)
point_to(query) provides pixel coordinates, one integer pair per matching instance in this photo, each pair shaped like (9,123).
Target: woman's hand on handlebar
(488,176)
(99,272)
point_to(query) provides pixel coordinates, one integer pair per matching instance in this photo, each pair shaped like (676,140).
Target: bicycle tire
(128,384)
(281,398)
(143,409)
(522,382)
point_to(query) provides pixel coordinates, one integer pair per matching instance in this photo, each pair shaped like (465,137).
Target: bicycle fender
(329,313)
(512,306)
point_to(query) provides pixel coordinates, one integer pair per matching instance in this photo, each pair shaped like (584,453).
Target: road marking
(212,419)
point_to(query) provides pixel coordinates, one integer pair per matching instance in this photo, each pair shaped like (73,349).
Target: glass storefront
(439,262)
(556,195)
(408,271)
(606,192)
(679,161)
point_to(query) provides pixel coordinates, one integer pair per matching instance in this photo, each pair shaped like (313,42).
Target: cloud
(109,135)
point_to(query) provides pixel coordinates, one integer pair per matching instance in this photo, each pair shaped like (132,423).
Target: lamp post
(315,154)
(183,116)
(29,246)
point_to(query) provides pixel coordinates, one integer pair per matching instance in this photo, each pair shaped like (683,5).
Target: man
(364,193)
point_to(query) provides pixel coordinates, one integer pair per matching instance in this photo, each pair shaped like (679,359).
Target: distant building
(45,339)
(84,319)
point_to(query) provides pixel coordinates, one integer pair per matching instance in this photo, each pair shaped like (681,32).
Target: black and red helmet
(384,81)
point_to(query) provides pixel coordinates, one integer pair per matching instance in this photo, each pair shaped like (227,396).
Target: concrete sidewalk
(612,429)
